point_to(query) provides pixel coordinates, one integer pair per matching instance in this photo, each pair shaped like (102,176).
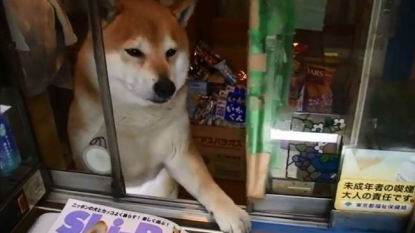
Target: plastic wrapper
(235,106)
(216,93)
(226,109)
(242,78)
(203,62)
(204,112)
(318,94)
(226,72)
(206,61)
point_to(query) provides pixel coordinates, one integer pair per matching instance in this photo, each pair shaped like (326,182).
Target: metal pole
(101,67)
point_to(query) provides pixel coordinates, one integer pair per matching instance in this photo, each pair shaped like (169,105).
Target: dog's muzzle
(164,89)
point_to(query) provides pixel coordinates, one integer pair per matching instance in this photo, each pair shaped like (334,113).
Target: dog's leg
(163,185)
(190,171)
(83,125)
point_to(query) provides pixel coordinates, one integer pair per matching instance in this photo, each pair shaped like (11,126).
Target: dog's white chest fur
(146,138)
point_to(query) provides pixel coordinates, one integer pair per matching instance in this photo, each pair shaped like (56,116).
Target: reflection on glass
(68,118)
(17,150)
(388,120)
(10,157)
(310,138)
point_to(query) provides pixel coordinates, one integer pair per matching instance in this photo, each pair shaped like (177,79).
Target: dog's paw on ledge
(231,218)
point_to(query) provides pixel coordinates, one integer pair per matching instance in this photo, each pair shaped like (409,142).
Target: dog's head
(147,49)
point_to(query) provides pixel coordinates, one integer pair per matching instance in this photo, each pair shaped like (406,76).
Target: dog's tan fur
(154,138)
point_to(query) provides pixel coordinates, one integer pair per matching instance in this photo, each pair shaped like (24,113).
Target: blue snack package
(235,106)
(9,154)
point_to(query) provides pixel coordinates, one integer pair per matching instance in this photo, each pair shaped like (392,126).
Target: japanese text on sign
(375,196)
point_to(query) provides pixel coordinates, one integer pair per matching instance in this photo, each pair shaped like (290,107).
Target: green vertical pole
(268,89)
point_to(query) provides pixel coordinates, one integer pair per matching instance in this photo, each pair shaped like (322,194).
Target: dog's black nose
(164,88)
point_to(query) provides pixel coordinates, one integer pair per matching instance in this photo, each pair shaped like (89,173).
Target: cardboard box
(223,150)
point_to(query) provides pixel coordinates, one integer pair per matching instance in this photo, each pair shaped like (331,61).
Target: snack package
(199,70)
(195,88)
(205,61)
(221,105)
(235,106)
(215,83)
(297,81)
(296,89)
(207,53)
(216,95)
(227,109)
(242,79)
(204,112)
(226,72)
(318,94)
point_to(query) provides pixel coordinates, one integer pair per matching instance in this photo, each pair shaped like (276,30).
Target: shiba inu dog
(147,55)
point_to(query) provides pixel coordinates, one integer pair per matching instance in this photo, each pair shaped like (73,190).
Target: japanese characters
(372,196)
(79,216)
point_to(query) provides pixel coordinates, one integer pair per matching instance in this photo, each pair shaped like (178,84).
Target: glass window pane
(220,28)
(47,54)
(69,123)
(380,149)
(387,118)
(308,98)
(18,154)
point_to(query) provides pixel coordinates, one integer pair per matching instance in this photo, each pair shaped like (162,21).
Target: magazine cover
(84,217)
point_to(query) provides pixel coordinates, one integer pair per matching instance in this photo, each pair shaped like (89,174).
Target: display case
(326,140)
(22,179)
(328,120)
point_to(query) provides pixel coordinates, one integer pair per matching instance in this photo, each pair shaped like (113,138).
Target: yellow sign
(375,196)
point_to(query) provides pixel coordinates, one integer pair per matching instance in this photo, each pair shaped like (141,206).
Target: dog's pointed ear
(109,10)
(183,10)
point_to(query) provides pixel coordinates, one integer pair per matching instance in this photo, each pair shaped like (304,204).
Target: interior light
(285,135)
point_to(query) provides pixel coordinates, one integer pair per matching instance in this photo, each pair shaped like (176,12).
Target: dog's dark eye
(170,52)
(134,52)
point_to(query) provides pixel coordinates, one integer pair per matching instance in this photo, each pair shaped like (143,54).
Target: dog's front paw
(231,218)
